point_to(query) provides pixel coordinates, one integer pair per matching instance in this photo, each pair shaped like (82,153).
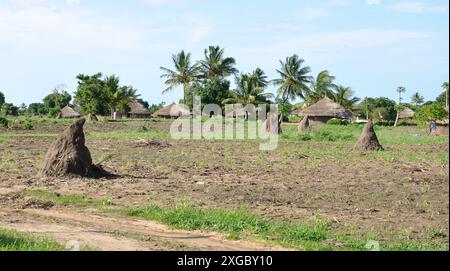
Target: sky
(373,46)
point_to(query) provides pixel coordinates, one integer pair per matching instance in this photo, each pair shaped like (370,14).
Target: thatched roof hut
(69,113)
(406,113)
(137,110)
(172,111)
(324,110)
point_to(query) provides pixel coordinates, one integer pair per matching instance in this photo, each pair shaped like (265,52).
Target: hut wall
(441,130)
(314,121)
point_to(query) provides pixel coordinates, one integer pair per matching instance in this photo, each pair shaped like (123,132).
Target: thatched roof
(326,108)
(406,114)
(296,112)
(172,111)
(69,112)
(136,108)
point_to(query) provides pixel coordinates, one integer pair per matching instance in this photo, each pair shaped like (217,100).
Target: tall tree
(345,97)
(90,94)
(417,99)
(184,73)
(445,88)
(56,100)
(294,79)
(260,78)
(2,98)
(400,91)
(248,91)
(216,65)
(323,86)
(118,97)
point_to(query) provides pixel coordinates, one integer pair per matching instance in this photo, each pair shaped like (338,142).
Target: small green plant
(4,122)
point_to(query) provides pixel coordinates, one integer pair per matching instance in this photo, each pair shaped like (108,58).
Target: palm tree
(344,97)
(400,91)
(294,79)
(118,97)
(215,65)
(417,99)
(184,73)
(445,88)
(323,86)
(260,78)
(248,91)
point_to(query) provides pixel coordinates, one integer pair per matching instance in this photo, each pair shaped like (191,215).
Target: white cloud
(418,7)
(73,2)
(45,28)
(341,2)
(164,2)
(312,13)
(373,2)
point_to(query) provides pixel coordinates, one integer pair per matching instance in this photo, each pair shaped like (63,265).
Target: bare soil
(399,198)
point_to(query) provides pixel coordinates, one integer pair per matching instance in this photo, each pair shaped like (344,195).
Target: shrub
(338,122)
(4,122)
(385,123)
(295,119)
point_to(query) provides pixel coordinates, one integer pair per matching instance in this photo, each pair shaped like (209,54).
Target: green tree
(294,79)
(260,78)
(37,109)
(90,94)
(400,91)
(345,97)
(417,99)
(368,105)
(2,98)
(430,112)
(443,98)
(184,73)
(118,97)
(323,86)
(9,109)
(213,91)
(248,91)
(216,65)
(56,100)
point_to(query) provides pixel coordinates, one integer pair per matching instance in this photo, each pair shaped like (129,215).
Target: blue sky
(374,46)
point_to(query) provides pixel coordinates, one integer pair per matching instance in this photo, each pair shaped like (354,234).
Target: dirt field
(400,195)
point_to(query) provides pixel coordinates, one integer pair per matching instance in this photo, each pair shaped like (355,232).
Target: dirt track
(107,232)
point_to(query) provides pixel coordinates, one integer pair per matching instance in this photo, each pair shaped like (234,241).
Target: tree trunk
(396,119)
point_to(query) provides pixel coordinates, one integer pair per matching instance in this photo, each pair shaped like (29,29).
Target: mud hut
(441,128)
(324,110)
(137,110)
(69,113)
(172,111)
(406,114)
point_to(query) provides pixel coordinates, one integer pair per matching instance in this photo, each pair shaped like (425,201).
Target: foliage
(184,73)
(431,112)
(338,122)
(417,99)
(155,107)
(9,109)
(323,86)
(294,79)
(249,90)
(56,100)
(4,122)
(2,99)
(118,97)
(216,65)
(344,97)
(370,104)
(90,94)
(211,91)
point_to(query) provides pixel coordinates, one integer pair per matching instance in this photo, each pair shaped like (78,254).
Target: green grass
(241,224)
(15,241)
(79,201)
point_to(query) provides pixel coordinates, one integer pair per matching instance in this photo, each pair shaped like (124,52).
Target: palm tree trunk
(396,119)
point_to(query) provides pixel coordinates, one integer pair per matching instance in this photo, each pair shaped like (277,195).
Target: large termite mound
(369,140)
(69,154)
(303,125)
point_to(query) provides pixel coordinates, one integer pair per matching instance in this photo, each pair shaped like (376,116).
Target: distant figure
(433,127)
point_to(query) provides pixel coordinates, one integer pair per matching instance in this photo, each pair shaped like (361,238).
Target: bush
(4,122)
(295,119)
(431,112)
(338,122)
(385,123)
